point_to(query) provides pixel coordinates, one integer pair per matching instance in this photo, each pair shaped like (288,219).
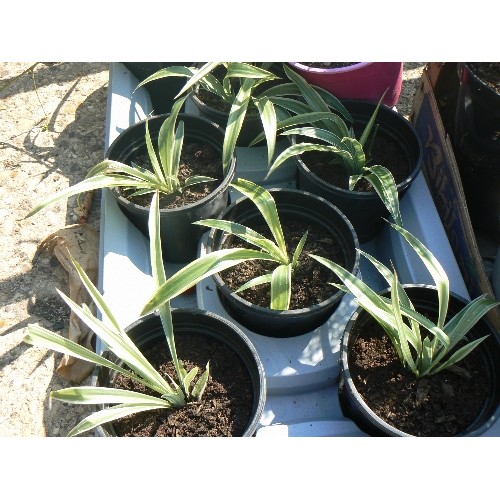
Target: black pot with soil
(385,399)
(201,155)
(314,300)
(162,92)
(397,146)
(234,399)
(477,142)
(252,125)
(213,108)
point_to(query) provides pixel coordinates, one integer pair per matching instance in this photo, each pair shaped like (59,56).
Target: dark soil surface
(384,151)
(310,281)
(444,404)
(224,409)
(212,100)
(196,159)
(328,65)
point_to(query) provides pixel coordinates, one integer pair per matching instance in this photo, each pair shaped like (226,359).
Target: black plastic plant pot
(425,300)
(476,144)
(162,92)
(252,124)
(178,234)
(365,210)
(147,330)
(477,116)
(300,206)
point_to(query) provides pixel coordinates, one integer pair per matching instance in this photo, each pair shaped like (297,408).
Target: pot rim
(468,71)
(260,390)
(228,177)
(226,290)
(345,69)
(367,194)
(346,373)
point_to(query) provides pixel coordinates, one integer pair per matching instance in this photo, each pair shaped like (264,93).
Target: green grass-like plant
(409,330)
(333,135)
(136,180)
(171,393)
(235,88)
(240,86)
(280,279)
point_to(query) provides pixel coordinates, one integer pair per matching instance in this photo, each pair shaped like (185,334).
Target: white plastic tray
(301,372)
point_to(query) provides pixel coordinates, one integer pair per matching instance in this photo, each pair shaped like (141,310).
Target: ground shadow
(45,74)
(78,147)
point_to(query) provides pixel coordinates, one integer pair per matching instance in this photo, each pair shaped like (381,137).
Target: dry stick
(46,126)
(85,207)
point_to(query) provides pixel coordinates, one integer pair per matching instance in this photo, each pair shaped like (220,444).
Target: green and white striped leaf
(267,207)
(91,395)
(292,105)
(435,269)
(246,70)
(291,89)
(246,234)
(159,277)
(176,156)
(120,344)
(168,140)
(259,280)
(177,71)
(403,296)
(468,317)
(371,122)
(44,338)
(111,414)
(198,76)
(188,378)
(385,186)
(115,338)
(403,339)
(235,120)
(152,156)
(317,133)
(197,179)
(366,297)
(281,287)
(298,251)
(269,121)
(201,384)
(297,150)
(211,84)
(199,269)
(336,128)
(457,355)
(98,182)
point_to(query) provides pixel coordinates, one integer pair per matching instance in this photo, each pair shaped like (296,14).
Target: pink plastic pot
(362,81)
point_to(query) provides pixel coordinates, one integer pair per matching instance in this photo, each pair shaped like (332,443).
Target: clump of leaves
(424,347)
(241,85)
(334,136)
(281,277)
(137,180)
(171,393)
